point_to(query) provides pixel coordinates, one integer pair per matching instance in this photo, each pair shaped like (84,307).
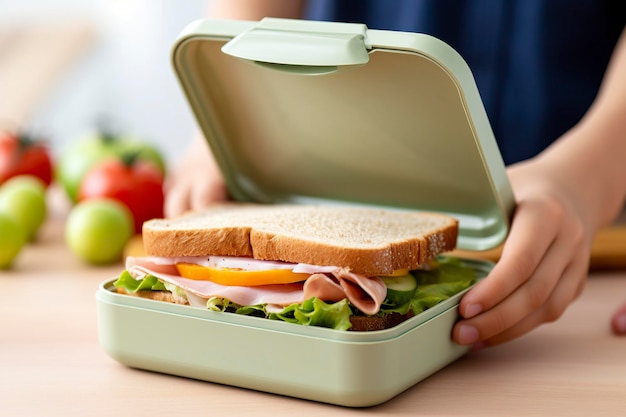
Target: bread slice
(369,241)
(372,323)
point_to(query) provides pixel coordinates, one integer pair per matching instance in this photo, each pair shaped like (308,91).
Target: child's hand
(543,266)
(195,182)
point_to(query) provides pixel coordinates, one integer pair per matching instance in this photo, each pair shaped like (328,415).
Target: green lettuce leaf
(447,277)
(130,284)
(312,312)
(315,312)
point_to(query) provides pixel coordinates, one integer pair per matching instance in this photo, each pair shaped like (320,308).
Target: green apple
(97,230)
(12,241)
(24,198)
(25,181)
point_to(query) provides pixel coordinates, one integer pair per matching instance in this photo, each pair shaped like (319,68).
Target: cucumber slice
(400,289)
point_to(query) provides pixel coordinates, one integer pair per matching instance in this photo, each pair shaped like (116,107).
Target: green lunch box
(304,112)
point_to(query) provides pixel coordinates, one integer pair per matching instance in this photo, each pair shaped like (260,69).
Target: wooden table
(51,363)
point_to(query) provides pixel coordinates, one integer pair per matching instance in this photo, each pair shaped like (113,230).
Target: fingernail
(472,310)
(468,334)
(620,324)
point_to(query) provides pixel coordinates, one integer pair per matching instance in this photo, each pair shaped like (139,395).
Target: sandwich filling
(326,296)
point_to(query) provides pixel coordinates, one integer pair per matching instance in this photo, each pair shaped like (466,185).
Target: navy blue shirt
(538,64)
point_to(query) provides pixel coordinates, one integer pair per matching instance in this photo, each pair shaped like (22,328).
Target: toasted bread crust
(368,241)
(372,323)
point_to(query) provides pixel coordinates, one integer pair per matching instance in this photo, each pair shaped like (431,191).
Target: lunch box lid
(299,111)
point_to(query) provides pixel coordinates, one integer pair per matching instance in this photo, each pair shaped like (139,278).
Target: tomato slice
(238,277)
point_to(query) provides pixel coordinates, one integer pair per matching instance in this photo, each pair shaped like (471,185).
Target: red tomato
(136,183)
(20,155)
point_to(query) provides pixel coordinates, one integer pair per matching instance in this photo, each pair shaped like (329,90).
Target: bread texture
(368,241)
(165,296)
(372,323)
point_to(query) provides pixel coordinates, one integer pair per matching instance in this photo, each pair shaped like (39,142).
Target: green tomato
(97,230)
(76,161)
(12,241)
(24,198)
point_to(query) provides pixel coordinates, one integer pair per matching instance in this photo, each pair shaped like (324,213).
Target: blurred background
(68,65)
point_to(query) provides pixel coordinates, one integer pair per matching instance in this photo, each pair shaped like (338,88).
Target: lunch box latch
(299,47)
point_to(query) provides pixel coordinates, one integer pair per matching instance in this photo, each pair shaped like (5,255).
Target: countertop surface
(51,363)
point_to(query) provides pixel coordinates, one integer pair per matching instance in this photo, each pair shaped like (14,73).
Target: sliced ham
(323,287)
(326,283)
(365,293)
(164,264)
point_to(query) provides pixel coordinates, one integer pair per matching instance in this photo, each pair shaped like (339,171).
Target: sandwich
(341,267)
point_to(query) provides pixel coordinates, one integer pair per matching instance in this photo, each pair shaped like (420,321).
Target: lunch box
(305,112)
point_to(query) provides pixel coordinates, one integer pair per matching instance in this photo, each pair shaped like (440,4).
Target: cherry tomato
(136,183)
(82,155)
(20,155)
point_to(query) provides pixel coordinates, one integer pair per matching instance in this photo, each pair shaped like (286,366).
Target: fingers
(526,245)
(206,191)
(176,200)
(618,321)
(533,283)
(193,193)
(195,183)
(569,288)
